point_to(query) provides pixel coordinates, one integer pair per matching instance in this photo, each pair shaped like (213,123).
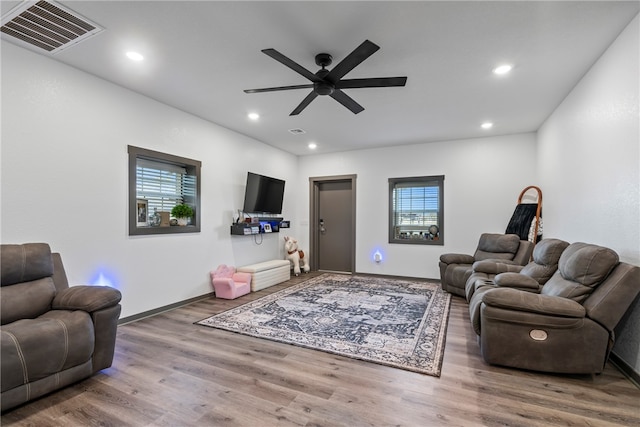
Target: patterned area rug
(399,323)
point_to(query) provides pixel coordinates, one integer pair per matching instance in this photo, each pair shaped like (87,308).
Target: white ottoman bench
(268,273)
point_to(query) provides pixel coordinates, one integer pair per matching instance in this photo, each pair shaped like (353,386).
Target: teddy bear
(295,255)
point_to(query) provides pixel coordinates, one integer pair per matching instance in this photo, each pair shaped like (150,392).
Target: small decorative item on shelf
(182,213)
(165,218)
(154,220)
(142,208)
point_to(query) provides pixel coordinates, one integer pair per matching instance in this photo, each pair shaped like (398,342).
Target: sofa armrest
(512,299)
(495,267)
(457,259)
(242,277)
(105,323)
(516,281)
(222,283)
(86,298)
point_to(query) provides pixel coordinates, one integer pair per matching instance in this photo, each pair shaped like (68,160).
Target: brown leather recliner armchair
(455,269)
(568,327)
(52,335)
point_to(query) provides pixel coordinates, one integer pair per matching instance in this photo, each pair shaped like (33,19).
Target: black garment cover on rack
(520,222)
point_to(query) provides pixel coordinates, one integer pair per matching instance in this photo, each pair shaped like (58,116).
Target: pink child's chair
(228,283)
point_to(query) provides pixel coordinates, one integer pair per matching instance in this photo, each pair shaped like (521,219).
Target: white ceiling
(200,55)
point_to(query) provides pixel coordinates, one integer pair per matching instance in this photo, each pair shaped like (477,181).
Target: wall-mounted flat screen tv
(263,194)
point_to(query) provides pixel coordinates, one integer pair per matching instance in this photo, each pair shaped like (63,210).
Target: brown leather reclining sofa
(565,324)
(52,335)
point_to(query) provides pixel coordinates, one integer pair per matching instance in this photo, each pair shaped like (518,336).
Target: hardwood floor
(169,372)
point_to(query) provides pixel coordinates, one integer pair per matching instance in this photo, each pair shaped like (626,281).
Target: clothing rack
(526,220)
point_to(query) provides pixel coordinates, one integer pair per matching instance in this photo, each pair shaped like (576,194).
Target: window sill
(418,242)
(174,229)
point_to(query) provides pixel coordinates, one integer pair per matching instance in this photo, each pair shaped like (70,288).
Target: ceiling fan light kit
(329,82)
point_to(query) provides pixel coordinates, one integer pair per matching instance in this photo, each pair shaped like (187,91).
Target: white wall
(65,181)
(483,178)
(589,164)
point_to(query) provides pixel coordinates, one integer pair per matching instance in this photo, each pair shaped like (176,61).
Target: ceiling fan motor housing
(323,87)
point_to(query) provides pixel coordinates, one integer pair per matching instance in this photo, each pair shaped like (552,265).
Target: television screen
(263,194)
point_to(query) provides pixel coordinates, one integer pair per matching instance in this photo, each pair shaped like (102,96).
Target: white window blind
(416,203)
(163,185)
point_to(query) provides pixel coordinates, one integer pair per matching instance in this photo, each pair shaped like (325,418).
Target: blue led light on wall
(102,278)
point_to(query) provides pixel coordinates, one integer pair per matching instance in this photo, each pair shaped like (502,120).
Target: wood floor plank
(168,371)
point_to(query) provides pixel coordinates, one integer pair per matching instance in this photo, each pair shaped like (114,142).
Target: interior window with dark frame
(157,183)
(416,210)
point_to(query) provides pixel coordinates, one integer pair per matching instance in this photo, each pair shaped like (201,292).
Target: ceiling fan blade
(373,82)
(312,95)
(362,52)
(291,64)
(273,89)
(347,101)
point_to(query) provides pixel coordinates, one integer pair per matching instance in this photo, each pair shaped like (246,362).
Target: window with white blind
(416,210)
(157,183)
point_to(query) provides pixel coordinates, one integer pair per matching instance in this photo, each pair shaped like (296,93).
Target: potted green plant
(182,213)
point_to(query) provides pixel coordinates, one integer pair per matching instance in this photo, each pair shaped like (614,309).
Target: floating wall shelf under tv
(263,225)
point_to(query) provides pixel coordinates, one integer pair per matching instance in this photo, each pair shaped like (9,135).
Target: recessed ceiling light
(253,116)
(486,125)
(134,56)
(312,146)
(502,69)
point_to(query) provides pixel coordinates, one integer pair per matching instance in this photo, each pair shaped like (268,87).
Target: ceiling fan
(325,82)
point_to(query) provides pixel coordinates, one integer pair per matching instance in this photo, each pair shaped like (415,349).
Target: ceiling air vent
(46,26)
(297,131)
